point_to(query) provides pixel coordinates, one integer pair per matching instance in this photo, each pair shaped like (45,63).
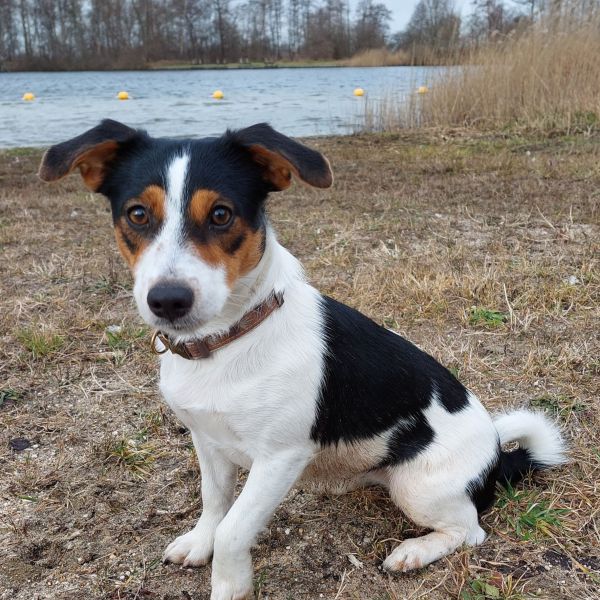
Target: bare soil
(482,250)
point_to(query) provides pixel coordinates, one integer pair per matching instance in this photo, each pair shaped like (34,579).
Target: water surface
(299,102)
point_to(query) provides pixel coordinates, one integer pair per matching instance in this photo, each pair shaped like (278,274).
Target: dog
(272,376)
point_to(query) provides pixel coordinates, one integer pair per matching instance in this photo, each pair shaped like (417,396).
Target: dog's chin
(182,331)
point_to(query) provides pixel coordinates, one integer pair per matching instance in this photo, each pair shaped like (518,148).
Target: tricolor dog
(272,376)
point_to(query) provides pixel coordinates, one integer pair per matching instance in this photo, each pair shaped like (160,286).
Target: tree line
(70,34)
(113,34)
(437,33)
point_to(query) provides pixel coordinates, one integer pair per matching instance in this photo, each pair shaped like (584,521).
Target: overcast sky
(403,9)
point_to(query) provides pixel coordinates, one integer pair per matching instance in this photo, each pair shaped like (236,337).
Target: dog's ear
(91,151)
(280,156)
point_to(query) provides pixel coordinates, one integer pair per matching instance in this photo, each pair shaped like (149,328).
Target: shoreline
(217,67)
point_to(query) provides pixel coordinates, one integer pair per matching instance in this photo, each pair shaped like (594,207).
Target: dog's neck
(276,271)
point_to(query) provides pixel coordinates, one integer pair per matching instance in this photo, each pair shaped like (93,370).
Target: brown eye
(138,215)
(221,216)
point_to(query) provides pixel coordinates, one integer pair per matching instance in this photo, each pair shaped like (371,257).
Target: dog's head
(188,214)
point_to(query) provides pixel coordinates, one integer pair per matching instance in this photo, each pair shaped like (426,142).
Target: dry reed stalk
(547,79)
(378,57)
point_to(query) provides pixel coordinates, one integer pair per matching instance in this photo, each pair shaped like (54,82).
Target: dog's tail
(541,444)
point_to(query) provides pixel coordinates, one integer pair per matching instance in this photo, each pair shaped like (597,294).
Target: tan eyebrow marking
(201,203)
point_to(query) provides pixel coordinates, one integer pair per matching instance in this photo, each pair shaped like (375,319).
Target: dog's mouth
(182,328)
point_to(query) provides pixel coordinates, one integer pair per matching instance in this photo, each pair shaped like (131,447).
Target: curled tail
(541,444)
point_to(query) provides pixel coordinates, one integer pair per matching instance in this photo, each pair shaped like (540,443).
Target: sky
(403,9)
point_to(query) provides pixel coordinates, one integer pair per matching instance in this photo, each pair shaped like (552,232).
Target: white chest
(258,393)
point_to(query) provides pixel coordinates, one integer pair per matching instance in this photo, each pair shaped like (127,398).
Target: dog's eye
(138,215)
(221,216)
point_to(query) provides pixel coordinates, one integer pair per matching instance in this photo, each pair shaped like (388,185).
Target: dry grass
(378,57)
(545,80)
(483,250)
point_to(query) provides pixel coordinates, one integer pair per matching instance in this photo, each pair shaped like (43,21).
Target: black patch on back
(374,379)
(408,440)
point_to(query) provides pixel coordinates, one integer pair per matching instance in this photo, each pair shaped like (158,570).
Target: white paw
(192,549)
(475,537)
(410,554)
(230,590)
(232,577)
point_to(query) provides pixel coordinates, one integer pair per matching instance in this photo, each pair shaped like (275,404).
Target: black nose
(170,301)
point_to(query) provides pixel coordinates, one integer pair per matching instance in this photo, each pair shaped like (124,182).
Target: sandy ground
(482,250)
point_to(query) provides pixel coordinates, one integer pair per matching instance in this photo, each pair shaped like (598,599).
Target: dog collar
(203,347)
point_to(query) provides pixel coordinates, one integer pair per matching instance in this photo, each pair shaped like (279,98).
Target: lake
(299,101)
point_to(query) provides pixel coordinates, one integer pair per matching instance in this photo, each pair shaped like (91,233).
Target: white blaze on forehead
(175,188)
(169,257)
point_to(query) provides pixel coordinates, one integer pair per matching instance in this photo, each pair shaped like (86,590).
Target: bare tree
(371,26)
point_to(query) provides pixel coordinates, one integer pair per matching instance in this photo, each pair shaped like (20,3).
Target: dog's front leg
(218,483)
(269,481)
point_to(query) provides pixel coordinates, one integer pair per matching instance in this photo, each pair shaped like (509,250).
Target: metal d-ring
(156,335)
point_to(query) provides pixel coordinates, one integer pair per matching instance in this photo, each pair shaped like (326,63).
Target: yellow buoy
(359,92)
(28,96)
(218,95)
(123,95)
(423,89)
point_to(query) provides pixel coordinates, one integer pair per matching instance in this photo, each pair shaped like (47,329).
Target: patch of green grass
(486,317)
(105,285)
(538,517)
(9,395)
(455,371)
(479,589)
(123,338)
(27,497)
(586,120)
(492,588)
(559,405)
(153,420)
(40,343)
(528,515)
(509,495)
(259,582)
(391,323)
(134,455)
(25,151)
(141,435)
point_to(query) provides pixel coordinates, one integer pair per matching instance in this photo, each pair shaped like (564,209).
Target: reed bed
(547,79)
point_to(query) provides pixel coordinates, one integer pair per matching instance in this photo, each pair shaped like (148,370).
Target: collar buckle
(157,335)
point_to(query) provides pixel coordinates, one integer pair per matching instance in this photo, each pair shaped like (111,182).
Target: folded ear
(280,156)
(91,151)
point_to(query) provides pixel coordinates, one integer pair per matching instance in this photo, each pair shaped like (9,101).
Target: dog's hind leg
(434,502)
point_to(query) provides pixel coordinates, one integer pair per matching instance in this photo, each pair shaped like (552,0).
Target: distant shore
(208,67)
(370,59)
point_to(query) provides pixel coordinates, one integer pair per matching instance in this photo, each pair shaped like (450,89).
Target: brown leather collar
(203,347)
